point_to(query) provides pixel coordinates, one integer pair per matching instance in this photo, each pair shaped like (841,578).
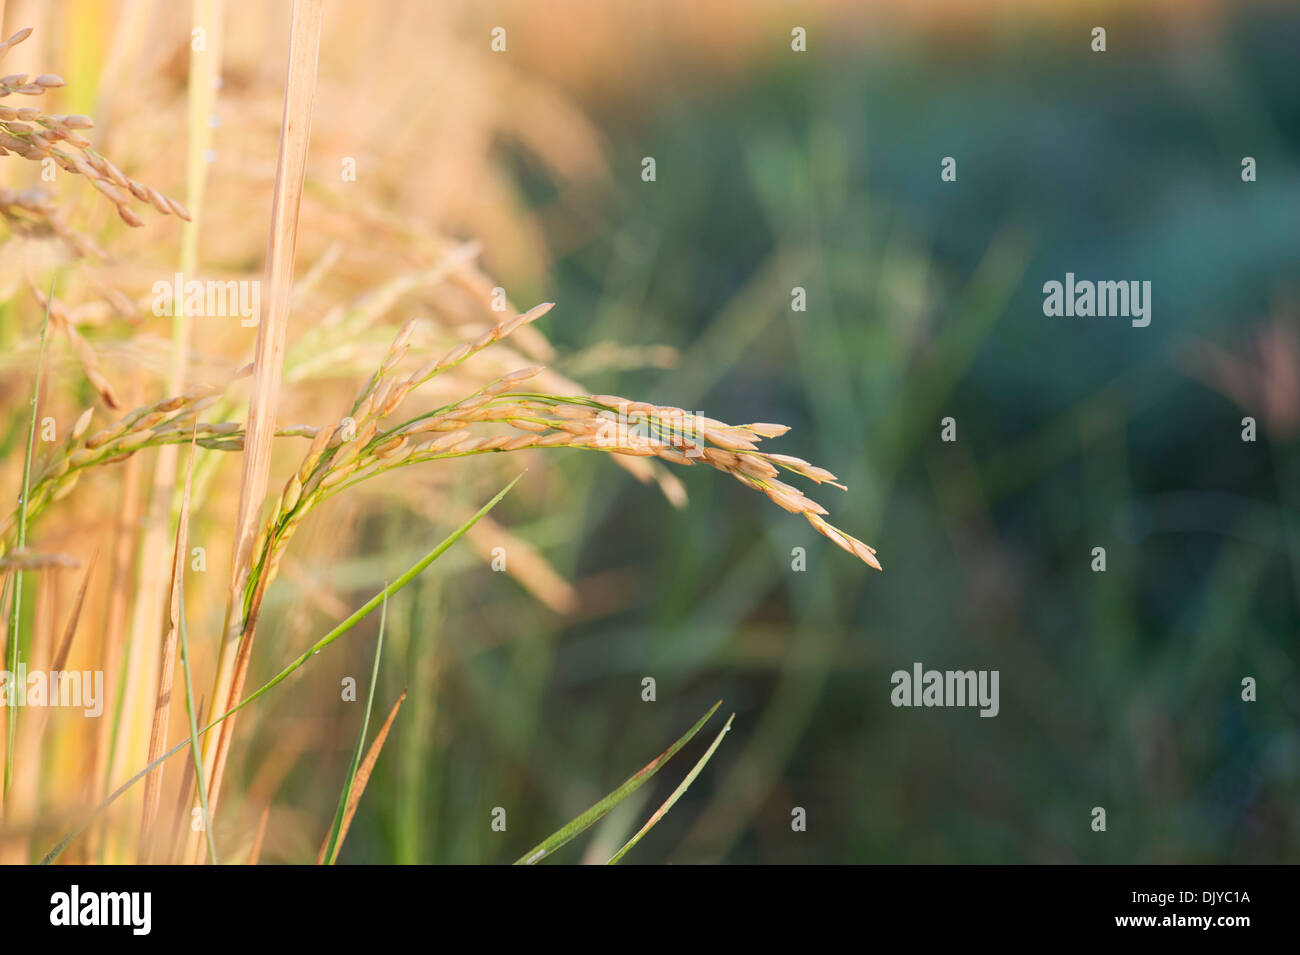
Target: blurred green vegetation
(1119,690)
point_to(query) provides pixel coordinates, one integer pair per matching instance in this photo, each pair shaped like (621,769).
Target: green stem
(194,733)
(16,611)
(284,674)
(332,850)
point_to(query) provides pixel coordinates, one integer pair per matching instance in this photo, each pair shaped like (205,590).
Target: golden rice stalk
(291,168)
(35,135)
(85,353)
(32,212)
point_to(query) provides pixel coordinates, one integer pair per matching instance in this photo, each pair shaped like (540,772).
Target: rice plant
(419,408)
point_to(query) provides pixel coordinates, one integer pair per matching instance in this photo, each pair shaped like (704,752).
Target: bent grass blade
(592,815)
(677,794)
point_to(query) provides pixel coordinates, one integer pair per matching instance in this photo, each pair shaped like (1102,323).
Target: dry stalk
(295,131)
(167,669)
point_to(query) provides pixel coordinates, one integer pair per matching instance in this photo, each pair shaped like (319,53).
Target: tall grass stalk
(151,587)
(295,132)
(196,758)
(162,705)
(15,615)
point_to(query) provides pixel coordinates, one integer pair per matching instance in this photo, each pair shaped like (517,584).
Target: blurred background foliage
(778,169)
(1120,690)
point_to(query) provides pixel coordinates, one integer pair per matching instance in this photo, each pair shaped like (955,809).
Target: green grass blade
(331,853)
(677,794)
(284,674)
(635,782)
(16,606)
(182,532)
(194,732)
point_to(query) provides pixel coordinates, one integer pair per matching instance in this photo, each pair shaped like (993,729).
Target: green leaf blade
(676,794)
(15,615)
(280,677)
(332,849)
(576,826)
